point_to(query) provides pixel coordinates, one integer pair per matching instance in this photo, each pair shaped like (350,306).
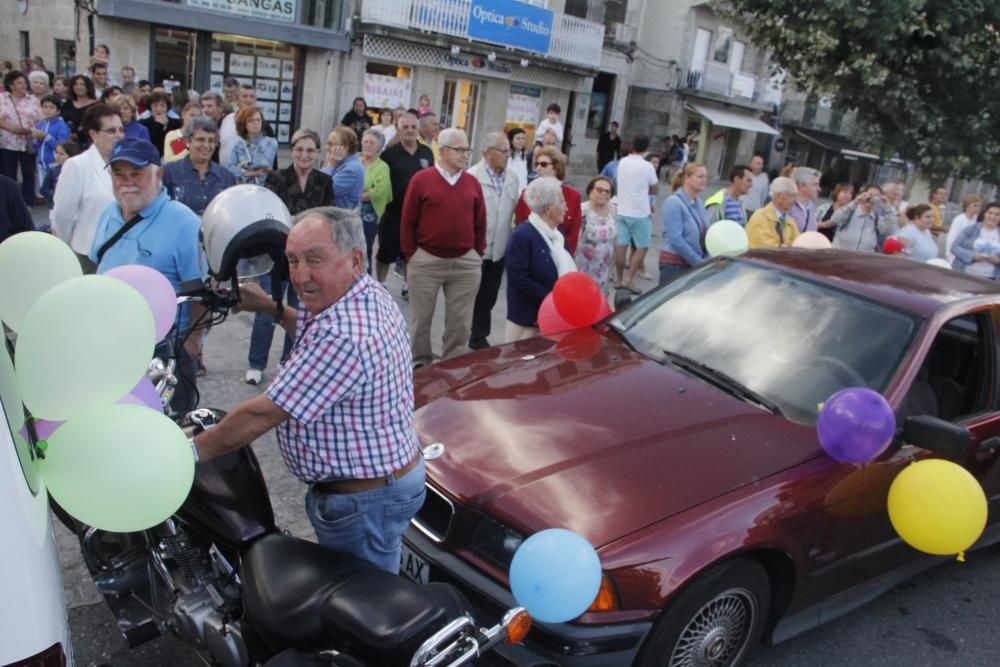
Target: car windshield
(770,337)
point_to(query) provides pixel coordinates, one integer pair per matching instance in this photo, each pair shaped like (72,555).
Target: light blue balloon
(555,575)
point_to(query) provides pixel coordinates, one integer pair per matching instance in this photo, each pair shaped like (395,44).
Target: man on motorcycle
(144,226)
(342,402)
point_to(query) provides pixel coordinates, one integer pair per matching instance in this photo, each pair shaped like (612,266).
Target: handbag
(30,149)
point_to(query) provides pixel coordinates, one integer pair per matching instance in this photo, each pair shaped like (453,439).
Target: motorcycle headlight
(496,541)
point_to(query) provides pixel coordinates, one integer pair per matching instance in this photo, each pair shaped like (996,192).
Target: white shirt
(757,195)
(547,125)
(228,138)
(452,179)
(518,165)
(82,193)
(388,132)
(987,243)
(635,178)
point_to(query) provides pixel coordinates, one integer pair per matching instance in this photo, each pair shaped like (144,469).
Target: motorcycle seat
(301,595)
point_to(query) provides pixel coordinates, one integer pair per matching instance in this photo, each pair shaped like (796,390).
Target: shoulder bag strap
(117,236)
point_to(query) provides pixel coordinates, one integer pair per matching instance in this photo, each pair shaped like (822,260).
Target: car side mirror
(936,435)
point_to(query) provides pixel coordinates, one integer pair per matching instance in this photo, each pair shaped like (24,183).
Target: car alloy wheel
(715,621)
(719,632)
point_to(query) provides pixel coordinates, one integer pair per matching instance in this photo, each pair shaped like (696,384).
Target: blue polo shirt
(166,240)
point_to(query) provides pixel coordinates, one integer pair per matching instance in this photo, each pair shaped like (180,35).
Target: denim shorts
(637,231)
(369,524)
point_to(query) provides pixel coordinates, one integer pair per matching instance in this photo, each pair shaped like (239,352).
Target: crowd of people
(128,169)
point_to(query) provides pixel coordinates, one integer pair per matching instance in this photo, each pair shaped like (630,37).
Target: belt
(337,486)
(671,258)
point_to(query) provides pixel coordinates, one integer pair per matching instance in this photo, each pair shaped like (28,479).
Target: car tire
(716,621)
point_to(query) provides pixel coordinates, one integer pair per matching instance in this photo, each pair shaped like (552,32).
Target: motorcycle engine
(207,609)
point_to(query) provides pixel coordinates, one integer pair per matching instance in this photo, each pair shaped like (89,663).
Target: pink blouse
(30,113)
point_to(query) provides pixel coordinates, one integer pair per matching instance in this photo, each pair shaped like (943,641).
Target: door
(174,54)
(956,382)
(460,105)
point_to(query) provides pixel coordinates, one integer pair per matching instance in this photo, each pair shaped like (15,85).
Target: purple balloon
(43,429)
(155,289)
(855,425)
(145,394)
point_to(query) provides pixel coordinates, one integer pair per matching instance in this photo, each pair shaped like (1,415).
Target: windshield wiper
(723,381)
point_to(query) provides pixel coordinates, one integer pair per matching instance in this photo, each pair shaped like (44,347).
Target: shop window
(271,67)
(459,104)
(388,87)
(174,58)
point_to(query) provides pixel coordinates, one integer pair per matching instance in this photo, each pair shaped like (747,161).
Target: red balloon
(549,319)
(577,298)
(892,246)
(604,310)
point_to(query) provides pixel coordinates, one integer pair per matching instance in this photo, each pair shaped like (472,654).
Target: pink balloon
(145,394)
(155,289)
(812,241)
(549,319)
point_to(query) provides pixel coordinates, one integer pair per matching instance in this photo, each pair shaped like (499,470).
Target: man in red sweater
(443,238)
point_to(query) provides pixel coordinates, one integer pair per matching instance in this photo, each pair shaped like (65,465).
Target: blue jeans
(263,325)
(369,524)
(670,271)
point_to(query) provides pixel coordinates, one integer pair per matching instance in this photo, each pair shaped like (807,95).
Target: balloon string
(961,557)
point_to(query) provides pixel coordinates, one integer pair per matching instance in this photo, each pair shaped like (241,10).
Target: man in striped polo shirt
(726,203)
(342,402)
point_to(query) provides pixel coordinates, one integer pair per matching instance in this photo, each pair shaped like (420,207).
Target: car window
(952,383)
(791,340)
(10,397)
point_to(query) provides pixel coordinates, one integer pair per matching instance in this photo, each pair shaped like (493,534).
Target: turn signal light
(606,599)
(518,627)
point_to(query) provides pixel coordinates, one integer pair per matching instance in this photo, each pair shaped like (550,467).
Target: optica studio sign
(511,23)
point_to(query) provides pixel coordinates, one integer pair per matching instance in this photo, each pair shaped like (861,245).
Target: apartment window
(323,13)
(592,10)
(723,45)
(25,44)
(614,11)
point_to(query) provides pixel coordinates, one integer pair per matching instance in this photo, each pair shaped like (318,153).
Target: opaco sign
(511,23)
(267,10)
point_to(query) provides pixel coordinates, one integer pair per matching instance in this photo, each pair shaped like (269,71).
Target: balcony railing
(719,80)
(573,40)
(817,117)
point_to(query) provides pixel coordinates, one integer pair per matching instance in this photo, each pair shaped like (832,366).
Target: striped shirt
(348,389)
(734,210)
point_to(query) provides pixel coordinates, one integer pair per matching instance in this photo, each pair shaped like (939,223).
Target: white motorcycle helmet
(243,231)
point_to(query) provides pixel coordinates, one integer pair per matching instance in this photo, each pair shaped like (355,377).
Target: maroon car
(679,438)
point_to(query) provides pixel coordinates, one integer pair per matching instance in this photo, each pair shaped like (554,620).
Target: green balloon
(120,468)
(30,264)
(84,344)
(726,237)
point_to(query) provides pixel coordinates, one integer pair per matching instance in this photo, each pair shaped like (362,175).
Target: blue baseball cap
(139,152)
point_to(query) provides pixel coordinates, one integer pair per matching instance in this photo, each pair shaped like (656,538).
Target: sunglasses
(542,164)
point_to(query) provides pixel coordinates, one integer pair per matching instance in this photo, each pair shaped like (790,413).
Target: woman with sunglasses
(550,161)
(595,252)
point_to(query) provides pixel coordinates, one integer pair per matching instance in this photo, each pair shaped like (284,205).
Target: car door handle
(989,444)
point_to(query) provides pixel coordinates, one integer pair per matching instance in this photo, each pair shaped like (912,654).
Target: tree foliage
(921,74)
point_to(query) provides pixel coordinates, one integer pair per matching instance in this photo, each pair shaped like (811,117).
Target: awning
(837,144)
(734,119)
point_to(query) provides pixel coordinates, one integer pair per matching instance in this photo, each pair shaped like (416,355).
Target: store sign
(383,92)
(265,10)
(524,105)
(511,23)
(475,65)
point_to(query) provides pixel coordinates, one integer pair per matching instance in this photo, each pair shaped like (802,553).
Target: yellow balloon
(937,507)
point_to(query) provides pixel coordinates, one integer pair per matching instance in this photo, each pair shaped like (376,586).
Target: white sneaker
(254,376)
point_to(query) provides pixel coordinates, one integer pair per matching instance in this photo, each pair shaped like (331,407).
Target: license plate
(413,566)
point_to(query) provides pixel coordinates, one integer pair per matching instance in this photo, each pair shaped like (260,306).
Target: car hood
(592,436)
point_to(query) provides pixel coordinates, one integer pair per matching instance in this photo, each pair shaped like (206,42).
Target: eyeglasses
(461,151)
(502,151)
(112,130)
(605,191)
(303,149)
(542,164)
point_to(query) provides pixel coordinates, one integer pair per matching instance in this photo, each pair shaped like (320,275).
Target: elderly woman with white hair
(536,257)
(38,81)
(773,226)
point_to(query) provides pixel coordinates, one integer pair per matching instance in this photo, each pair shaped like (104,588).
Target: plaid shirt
(348,388)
